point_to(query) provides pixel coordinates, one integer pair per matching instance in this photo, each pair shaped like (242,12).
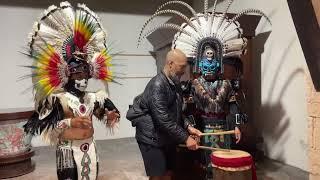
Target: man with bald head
(163,127)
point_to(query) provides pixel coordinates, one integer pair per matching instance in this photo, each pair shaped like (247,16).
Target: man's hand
(81,122)
(237,133)
(191,143)
(112,117)
(194,131)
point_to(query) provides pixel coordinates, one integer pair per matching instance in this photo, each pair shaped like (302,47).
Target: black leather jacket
(159,113)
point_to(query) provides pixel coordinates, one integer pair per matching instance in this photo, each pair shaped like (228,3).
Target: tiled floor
(121,160)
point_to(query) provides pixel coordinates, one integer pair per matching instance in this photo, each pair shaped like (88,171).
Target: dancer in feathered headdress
(210,40)
(68,47)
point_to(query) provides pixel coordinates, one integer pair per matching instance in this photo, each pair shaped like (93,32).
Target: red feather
(79,40)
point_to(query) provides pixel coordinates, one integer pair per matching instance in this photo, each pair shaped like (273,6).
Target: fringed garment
(75,159)
(211,99)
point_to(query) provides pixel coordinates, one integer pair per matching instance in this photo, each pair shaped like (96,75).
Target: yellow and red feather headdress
(57,36)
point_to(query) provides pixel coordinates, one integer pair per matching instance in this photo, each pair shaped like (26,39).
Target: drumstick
(218,133)
(207,148)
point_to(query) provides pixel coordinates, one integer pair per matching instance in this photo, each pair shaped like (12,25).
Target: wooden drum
(233,164)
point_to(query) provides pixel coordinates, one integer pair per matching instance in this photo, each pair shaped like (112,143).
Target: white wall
(280,108)
(123,30)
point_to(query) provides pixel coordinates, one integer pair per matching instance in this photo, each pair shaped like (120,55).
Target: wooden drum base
(16,165)
(219,174)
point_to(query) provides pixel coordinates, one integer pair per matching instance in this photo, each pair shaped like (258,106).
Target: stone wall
(313,103)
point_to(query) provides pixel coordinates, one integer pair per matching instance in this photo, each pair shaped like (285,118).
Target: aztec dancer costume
(209,40)
(68,47)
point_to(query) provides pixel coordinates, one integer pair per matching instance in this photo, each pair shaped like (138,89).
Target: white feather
(210,21)
(195,36)
(233,54)
(235,45)
(187,39)
(203,27)
(185,48)
(101,96)
(221,28)
(49,9)
(68,13)
(215,23)
(232,35)
(229,29)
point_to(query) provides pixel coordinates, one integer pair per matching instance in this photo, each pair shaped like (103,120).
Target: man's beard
(175,79)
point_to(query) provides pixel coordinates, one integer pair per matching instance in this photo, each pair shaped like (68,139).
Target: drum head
(233,164)
(232,160)
(230,154)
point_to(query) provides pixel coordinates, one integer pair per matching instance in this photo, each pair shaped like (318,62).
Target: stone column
(313,103)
